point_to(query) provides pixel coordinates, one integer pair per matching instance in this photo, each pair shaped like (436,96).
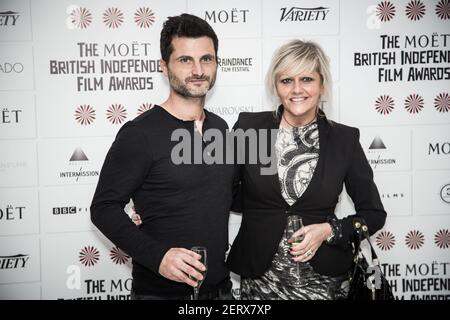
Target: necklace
(297,126)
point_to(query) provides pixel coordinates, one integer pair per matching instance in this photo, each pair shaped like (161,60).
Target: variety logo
(18,261)
(303,14)
(8,18)
(224,16)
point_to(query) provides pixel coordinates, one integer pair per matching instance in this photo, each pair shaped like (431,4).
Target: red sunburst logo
(85,114)
(384,104)
(415,10)
(442,239)
(89,256)
(144,107)
(116,113)
(414,103)
(118,256)
(385,240)
(414,239)
(443,9)
(385,11)
(113,18)
(144,17)
(81,18)
(442,102)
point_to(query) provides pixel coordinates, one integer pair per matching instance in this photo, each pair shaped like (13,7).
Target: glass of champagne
(203,254)
(295,223)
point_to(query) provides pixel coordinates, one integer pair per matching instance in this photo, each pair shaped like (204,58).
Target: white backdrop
(60,110)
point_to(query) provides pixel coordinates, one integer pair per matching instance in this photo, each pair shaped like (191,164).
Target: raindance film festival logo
(303,14)
(376,148)
(8,18)
(235,64)
(78,158)
(17,261)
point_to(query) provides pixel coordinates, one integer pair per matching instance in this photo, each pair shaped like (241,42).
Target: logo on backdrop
(303,14)
(230,110)
(445,193)
(17,261)
(235,64)
(10,116)
(413,103)
(439,148)
(385,240)
(78,156)
(414,239)
(227,16)
(8,18)
(112,18)
(11,67)
(442,239)
(414,10)
(69,210)
(377,148)
(11,212)
(90,256)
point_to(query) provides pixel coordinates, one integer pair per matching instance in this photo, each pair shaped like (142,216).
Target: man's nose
(197,68)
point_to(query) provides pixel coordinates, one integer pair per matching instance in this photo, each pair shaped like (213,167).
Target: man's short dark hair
(184,25)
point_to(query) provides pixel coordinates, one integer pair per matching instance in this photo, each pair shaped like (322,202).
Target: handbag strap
(362,233)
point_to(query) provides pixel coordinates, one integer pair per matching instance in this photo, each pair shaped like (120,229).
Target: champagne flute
(295,223)
(202,252)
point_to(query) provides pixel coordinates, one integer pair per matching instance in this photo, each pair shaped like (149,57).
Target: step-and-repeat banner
(72,72)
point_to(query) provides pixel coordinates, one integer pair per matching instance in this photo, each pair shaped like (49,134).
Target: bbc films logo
(68,210)
(78,158)
(377,148)
(298,14)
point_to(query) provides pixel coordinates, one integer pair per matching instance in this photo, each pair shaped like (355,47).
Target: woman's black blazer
(264,210)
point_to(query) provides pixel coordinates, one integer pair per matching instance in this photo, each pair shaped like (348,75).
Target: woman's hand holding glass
(314,236)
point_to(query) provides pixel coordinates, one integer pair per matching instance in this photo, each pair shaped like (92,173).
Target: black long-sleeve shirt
(181,205)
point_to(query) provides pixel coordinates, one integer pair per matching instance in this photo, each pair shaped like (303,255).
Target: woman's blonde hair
(296,57)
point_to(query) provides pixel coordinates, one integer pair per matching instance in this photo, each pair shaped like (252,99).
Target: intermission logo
(227,16)
(377,148)
(17,261)
(11,212)
(303,14)
(78,157)
(8,18)
(235,64)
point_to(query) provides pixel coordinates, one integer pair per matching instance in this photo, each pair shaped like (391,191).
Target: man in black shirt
(181,205)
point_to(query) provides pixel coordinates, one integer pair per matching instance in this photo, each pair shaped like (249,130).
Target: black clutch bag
(367,281)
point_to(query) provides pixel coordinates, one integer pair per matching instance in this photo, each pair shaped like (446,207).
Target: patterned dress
(297,151)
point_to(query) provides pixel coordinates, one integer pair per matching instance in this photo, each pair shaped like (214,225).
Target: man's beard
(182,89)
